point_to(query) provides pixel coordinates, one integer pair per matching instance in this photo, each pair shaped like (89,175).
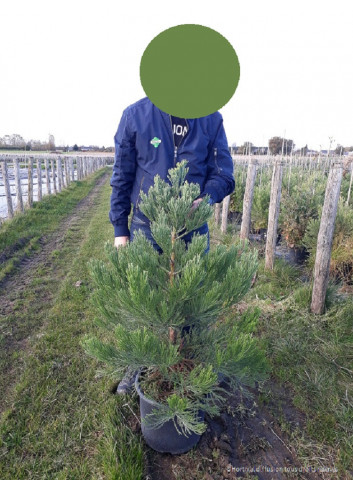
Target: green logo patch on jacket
(156,142)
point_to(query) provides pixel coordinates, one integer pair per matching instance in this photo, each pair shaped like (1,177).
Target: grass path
(36,273)
(61,423)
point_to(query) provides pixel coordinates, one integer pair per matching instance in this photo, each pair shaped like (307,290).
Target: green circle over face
(189,71)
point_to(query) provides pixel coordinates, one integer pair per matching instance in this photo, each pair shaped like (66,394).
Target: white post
(16,163)
(5,177)
(47,175)
(39,176)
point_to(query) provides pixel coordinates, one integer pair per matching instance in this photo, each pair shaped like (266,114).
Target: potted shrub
(161,311)
(236,198)
(298,207)
(260,207)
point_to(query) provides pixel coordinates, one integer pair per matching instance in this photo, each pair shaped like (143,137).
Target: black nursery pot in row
(165,439)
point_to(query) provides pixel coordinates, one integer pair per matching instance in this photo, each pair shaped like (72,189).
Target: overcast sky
(70,68)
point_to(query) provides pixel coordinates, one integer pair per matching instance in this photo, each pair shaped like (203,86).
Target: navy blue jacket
(144,147)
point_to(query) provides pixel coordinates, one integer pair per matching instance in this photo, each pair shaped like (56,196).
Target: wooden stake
(217,214)
(248,198)
(273,214)
(350,185)
(325,238)
(225,208)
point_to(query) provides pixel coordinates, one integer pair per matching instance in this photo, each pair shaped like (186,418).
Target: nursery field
(303,187)
(60,418)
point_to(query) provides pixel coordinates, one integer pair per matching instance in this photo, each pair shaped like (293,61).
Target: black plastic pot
(235,217)
(165,439)
(298,255)
(263,233)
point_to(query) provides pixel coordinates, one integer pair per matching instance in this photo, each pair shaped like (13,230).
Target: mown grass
(30,302)
(64,422)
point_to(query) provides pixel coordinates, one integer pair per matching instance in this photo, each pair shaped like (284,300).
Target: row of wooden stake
(326,231)
(59,170)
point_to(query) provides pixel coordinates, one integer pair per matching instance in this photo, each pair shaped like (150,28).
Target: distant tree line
(18,143)
(278,145)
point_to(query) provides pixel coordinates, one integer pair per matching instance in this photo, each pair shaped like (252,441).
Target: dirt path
(52,242)
(25,299)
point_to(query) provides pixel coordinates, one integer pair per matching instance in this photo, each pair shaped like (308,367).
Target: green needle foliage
(147,300)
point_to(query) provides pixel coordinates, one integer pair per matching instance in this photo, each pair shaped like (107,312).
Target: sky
(70,68)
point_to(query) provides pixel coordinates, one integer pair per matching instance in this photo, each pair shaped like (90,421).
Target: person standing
(150,142)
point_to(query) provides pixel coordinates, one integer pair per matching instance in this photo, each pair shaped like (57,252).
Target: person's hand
(195,204)
(121,241)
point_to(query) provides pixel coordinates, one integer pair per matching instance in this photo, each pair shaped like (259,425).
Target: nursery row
(301,203)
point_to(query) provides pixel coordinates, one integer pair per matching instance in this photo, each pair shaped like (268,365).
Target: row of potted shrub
(302,198)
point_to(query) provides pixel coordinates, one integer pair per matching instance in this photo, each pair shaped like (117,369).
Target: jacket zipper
(176,147)
(215,159)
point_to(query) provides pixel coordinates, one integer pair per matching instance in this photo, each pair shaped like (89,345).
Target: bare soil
(244,442)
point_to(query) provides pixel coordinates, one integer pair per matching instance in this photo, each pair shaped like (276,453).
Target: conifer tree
(147,300)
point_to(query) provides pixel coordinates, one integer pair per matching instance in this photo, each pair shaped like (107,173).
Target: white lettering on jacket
(180,130)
